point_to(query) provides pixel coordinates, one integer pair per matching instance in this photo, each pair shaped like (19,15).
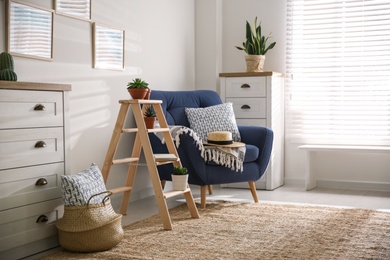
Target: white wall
(159,48)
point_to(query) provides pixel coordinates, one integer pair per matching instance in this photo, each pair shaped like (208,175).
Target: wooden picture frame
(108,47)
(80,9)
(29,30)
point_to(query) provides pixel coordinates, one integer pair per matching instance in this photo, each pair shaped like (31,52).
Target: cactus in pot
(7,67)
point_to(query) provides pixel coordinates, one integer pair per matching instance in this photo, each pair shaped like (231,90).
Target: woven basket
(90,228)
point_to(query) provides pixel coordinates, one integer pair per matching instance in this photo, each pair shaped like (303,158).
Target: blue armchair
(258,142)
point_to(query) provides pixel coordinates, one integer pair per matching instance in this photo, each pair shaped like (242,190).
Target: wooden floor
(144,208)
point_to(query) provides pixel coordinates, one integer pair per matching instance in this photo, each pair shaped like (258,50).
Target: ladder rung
(125,160)
(165,157)
(120,189)
(173,193)
(129,130)
(158,130)
(140,101)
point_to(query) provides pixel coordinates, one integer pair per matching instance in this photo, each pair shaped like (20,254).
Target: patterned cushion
(214,118)
(78,188)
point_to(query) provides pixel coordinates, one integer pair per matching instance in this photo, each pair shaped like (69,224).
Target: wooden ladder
(142,142)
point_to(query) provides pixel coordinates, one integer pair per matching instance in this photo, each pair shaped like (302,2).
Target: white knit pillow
(78,188)
(214,118)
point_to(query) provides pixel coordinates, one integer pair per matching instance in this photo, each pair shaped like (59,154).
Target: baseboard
(349,185)
(354,185)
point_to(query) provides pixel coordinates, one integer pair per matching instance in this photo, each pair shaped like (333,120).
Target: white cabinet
(33,155)
(258,99)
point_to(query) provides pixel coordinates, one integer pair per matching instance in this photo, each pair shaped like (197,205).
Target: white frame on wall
(29,30)
(108,47)
(80,9)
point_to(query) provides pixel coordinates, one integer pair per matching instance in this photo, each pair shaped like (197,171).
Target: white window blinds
(338,56)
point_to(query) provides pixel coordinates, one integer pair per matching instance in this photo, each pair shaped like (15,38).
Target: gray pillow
(78,188)
(214,118)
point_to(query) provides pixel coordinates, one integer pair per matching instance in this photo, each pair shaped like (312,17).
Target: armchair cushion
(213,118)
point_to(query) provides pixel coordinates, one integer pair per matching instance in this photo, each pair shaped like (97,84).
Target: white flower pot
(179,182)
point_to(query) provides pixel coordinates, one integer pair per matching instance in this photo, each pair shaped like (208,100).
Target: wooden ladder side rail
(124,108)
(150,161)
(172,150)
(131,175)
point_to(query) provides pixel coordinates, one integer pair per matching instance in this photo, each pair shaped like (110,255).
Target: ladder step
(125,160)
(173,193)
(158,130)
(165,157)
(129,130)
(121,189)
(140,101)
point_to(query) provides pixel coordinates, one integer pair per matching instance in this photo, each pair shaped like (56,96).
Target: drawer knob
(40,144)
(245,86)
(245,107)
(42,219)
(41,182)
(39,107)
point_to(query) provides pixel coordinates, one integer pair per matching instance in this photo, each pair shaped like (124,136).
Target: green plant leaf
(270,47)
(255,43)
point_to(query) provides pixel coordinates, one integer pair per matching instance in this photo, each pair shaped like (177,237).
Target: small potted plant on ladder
(149,117)
(138,88)
(179,178)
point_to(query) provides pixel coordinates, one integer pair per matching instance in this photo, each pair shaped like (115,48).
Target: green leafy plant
(149,112)
(255,43)
(137,83)
(177,170)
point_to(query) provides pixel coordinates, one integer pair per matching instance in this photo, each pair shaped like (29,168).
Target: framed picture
(108,47)
(29,31)
(80,9)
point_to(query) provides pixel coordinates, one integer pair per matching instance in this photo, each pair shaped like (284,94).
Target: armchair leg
(253,191)
(163,183)
(210,189)
(203,197)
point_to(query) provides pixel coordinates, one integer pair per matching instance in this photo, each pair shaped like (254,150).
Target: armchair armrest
(254,135)
(262,137)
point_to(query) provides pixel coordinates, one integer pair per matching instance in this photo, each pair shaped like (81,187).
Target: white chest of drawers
(33,155)
(258,99)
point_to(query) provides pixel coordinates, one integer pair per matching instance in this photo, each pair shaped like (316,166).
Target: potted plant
(138,88)
(179,178)
(149,117)
(255,47)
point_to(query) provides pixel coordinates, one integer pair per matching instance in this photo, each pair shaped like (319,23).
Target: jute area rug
(231,230)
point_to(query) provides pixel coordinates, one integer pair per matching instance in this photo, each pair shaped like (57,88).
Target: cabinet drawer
(19,225)
(251,121)
(249,107)
(24,147)
(19,187)
(22,108)
(246,87)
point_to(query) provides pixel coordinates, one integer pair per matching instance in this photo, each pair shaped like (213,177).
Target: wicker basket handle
(109,193)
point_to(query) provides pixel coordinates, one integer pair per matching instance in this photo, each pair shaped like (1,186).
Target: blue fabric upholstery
(258,142)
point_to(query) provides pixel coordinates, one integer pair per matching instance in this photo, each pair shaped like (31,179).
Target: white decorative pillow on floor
(214,118)
(78,188)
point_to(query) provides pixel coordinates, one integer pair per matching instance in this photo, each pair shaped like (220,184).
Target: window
(338,56)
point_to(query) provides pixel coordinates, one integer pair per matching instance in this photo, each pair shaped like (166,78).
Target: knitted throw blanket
(232,158)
